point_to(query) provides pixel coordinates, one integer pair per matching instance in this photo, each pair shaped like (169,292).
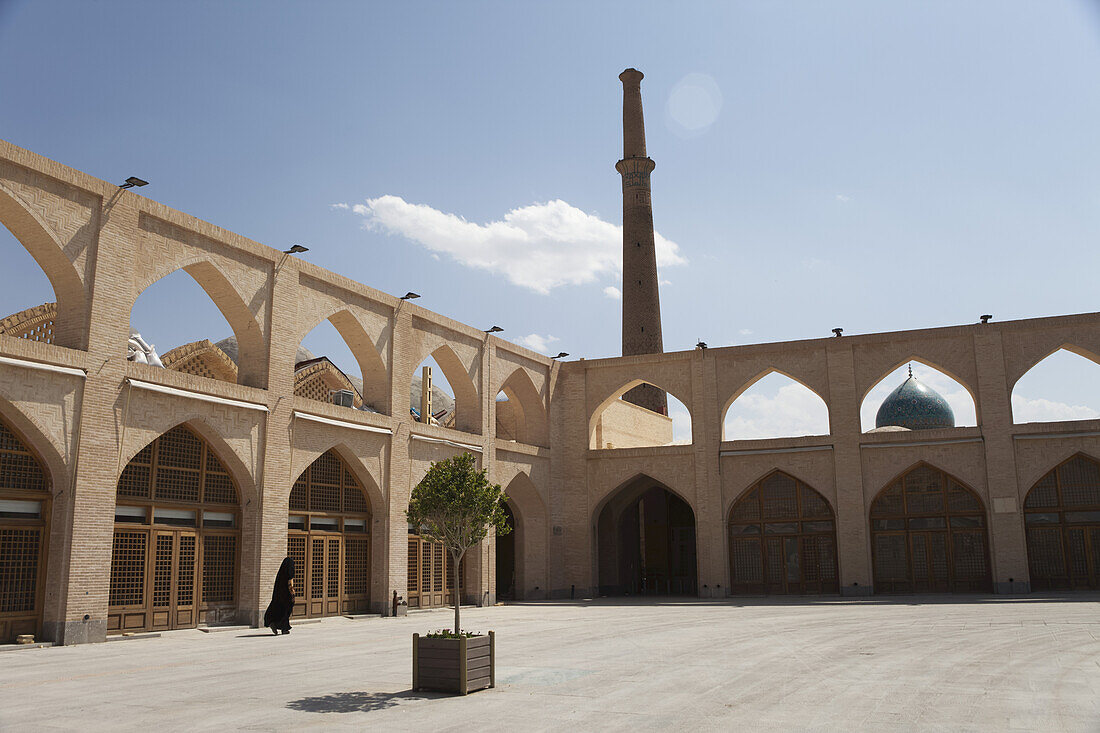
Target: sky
(857,164)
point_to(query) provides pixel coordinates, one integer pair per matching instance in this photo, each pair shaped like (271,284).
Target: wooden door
(296,551)
(172,596)
(323,579)
(928,555)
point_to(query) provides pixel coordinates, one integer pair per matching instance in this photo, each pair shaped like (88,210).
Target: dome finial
(910,370)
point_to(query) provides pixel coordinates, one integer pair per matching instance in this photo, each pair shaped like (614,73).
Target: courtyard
(979,663)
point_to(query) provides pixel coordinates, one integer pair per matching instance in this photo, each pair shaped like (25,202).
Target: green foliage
(448,634)
(456,505)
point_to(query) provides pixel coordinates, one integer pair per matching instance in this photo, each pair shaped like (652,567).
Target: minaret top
(633,124)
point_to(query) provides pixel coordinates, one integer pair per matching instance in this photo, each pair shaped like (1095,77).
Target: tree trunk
(458,588)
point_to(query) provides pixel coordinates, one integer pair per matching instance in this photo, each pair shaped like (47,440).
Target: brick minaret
(641,299)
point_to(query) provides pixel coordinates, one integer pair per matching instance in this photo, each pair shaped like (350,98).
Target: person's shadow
(358,702)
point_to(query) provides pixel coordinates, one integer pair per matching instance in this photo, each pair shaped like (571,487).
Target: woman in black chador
(277,616)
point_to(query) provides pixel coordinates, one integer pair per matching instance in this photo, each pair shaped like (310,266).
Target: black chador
(277,616)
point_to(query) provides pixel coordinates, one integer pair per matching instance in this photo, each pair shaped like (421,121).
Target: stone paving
(928,663)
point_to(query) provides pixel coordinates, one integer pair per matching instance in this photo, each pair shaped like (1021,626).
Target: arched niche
(929,534)
(330,537)
(177,547)
(158,305)
(22,225)
(645,541)
(343,340)
(1062,521)
(520,413)
(525,543)
(452,382)
(774,405)
(619,423)
(958,395)
(1064,385)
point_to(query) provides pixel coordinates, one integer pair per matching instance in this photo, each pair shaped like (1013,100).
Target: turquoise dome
(915,406)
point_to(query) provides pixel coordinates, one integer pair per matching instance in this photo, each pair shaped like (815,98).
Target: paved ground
(955,664)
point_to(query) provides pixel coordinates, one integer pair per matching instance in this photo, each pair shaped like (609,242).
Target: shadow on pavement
(358,702)
(823,600)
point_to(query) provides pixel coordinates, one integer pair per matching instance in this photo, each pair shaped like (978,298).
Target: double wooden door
(332,573)
(154,580)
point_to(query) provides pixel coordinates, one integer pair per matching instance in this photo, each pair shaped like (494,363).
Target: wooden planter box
(454,665)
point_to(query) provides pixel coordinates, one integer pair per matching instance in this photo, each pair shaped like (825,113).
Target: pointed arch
(376,384)
(528,538)
(802,416)
(928,534)
(1067,366)
(251,345)
(467,417)
(43,244)
(960,395)
(782,538)
(631,426)
(38,439)
(529,419)
(1062,524)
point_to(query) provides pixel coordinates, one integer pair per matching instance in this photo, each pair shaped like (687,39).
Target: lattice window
(185,582)
(162,572)
(19,553)
(437,567)
(803,560)
(412,579)
(128,569)
(314,387)
(219,568)
(1043,495)
(178,466)
(334,568)
(1079,480)
(19,468)
(317,569)
(299,494)
(354,498)
(356,565)
(296,551)
(425,567)
(928,533)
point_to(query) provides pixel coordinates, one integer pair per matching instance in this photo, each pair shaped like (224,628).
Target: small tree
(455,504)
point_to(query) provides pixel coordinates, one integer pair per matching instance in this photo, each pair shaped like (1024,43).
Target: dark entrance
(506,559)
(646,542)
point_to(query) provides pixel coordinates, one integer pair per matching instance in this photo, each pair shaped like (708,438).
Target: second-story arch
(43,244)
(928,534)
(519,552)
(1059,387)
(466,413)
(372,386)
(782,539)
(618,423)
(251,356)
(919,394)
(522,415)
(774,404)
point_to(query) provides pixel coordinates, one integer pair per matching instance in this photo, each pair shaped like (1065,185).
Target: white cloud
(763,411)
(842,198)
(435,257)
(540,247)
(1040,410)
(535,342)
(340,206)
(745,332)
(613,293)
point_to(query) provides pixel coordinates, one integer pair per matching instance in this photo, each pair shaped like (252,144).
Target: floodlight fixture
(702,345)
(838,332)
(296,249)
(134,182)
(494,329)
(561,355)
(410,296)
(985,318)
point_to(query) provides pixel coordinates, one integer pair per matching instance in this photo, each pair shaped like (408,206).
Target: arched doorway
(1062,516)
(506,558)
(782,539)
(928,534)
(646,542)
(175,555)
(24,530)
(328,537)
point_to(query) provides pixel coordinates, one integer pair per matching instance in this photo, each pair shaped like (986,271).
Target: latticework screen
(356,565)
(928,534)
(128,568)
(178,467)
(782,539)
(328,486)
(20,548)
(1062,515)
(219,568)
(19,467)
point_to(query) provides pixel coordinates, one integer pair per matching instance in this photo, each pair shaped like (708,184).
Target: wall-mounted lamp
(985,318)
(410,296)
(134,182)
(494,329)
(838,331)
(295,249)
(561,355)
(702,345)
